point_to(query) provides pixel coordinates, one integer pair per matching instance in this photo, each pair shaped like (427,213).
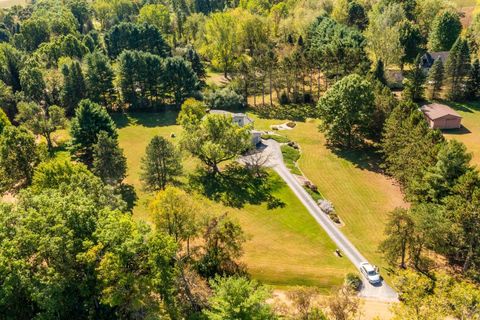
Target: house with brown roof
(440,116)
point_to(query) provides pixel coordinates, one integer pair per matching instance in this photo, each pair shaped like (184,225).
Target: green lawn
(286,245)
(362,197)
(470,133)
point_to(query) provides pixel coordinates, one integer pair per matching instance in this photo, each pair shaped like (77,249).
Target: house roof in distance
(247,119)
(442,55)
(436,111)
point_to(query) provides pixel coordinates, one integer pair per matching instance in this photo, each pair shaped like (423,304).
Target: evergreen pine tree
(473,82)
(457,69)
(192,56)
(379,72)
(73,86)
(99,78)
(415,82)
(435,79)
(90,119)
(109,163)
(161,164)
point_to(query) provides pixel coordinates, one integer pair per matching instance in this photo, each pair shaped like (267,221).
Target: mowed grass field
(465,3)
(362,197)
(286,247)
(10,3)
(470,133)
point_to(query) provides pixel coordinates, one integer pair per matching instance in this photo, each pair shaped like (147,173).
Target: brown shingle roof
(436,111)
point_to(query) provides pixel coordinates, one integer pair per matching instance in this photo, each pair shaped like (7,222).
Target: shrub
(353,281)
(291,124)
(298,112)
(284,98)
(334,217)
(225,99)
(326,206)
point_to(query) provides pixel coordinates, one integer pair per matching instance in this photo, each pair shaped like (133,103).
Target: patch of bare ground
(369,309)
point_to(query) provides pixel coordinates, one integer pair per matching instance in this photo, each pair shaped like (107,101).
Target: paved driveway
(273,158)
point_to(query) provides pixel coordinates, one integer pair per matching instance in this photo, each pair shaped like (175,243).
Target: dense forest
(69,247)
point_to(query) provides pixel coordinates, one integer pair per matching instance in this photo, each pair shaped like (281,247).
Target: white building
(242,120)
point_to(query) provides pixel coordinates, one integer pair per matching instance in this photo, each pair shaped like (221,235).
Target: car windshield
(372,273)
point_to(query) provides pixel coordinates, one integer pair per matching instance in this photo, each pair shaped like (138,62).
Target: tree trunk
(270,87)
(263,90)
(319,83)
(311,82)
(254,88)
(49,142)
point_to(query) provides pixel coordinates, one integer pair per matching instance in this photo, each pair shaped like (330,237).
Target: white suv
(370,273)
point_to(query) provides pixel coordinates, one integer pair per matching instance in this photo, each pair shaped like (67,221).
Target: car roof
(368,267)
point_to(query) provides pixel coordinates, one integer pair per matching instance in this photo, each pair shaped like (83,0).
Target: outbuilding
(440,116)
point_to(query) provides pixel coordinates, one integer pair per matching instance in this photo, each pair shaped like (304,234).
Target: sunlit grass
(286,246)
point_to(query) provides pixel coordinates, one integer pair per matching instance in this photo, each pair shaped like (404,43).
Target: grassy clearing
(470,132)
(286,246)
(362,196)
(135,132)
(465,3)
(10,3)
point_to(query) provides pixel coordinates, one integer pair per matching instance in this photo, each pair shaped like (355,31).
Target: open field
(465,3)
(9,3)
(362,196)
(286,246)
(470,133)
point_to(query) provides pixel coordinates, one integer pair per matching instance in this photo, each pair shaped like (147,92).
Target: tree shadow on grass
(366,158)
(471,106)
(146,119)
(237,186)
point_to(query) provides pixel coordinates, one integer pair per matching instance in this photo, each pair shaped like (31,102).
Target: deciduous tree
(18,157)
(177,214)
(216,139)
(238,298)
(346,111)
(221,44)
(446,28)
(42,120)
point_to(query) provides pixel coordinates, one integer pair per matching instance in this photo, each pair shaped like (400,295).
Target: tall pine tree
(109,162)
(435,79)
(73,86)
(415,82)
(99,78)
(473,82)
(90,119)
(457,69)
